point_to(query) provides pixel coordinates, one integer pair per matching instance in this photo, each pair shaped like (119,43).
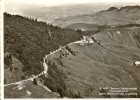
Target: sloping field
(15,74)
(107,63)
(27,90)
(85,69)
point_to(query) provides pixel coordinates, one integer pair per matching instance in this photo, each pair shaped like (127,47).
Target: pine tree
(34,81)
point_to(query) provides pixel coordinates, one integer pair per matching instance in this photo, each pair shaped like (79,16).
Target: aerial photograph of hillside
(71,49)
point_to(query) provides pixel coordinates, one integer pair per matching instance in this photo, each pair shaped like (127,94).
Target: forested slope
(29,40)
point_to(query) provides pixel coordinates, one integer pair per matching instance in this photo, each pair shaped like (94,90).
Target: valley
(112,17)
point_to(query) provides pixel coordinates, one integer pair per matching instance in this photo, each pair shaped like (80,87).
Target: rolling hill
(50,13)
(112,16)
(83,26)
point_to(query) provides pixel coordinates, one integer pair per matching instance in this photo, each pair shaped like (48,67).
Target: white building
(86,40)
(137,63)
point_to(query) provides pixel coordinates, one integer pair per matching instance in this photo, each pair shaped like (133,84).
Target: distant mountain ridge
(111,16)
(82,26)
(130,7)
(49,14)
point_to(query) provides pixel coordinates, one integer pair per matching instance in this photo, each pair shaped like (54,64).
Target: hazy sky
(32,6)
(60,2)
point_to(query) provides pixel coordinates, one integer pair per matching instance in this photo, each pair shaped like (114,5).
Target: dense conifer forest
(30,40)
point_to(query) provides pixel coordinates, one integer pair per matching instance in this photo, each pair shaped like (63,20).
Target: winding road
(44,72)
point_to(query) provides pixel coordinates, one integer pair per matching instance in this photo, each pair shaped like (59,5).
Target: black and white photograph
(71,49)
